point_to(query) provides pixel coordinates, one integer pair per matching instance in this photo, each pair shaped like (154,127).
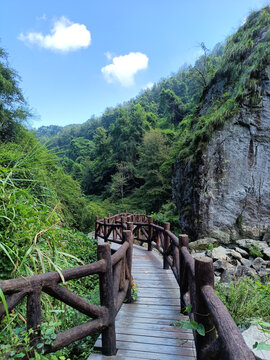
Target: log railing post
(107,300)
(114,230)
(128,236)
(96,227)
(183,242)
(34,316)
(150,232)
(166,246)
(204,275)
(105,230)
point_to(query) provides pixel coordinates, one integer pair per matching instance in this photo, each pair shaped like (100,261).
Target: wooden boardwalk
(143,329)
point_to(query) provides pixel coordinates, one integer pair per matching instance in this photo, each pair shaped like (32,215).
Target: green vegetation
(42,218)
(255,251)
(246,299)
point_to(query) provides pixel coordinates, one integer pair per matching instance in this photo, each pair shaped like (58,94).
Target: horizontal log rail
(115,281)
(195,277)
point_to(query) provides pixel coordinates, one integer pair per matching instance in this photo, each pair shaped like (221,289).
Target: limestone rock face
(230,190)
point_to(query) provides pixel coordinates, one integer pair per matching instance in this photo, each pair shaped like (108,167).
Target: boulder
(235,254)
(246,243)
(252,335)
(202,244)
(221,236)
(258,264)
(219,253)
(246,262)
(244,253)
(266,252)
(242,270)
(228,275)
(266,238)
(198,254)
(264,274)
(222,265)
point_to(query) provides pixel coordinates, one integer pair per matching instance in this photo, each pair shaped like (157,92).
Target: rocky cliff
(225,191)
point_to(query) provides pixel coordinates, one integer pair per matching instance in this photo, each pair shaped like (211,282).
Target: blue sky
(77,57)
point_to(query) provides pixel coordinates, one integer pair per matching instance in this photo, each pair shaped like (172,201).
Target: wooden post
(150,233)
(114,230)
(107,300)
(183,242)
(158,238)
(166,246)
(96,227)
(130,226)
(128,236)
(34,316)
(105,230)
(204,275)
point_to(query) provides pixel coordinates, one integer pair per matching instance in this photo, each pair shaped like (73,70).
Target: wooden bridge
(144,328)
(143,332)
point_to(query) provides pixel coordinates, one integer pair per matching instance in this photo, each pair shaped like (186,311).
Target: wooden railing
(115,285)
(195,276)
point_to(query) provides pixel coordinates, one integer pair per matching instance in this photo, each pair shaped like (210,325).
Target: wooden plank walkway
(143,329)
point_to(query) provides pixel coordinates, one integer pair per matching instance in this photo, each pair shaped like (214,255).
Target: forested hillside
(127,155)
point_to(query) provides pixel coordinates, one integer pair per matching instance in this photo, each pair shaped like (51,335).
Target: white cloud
(108,55)
(65,36)
(43,17)
(148,86)
(124,68)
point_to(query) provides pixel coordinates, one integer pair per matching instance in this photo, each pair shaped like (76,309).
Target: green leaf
(188,308)
(261,346)
(201,329)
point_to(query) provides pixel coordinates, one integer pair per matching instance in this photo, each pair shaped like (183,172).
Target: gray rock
(258,264)
(235,262)
(228,187)
(242,270)
(266,238)
(202,244)
(198,254)
(246,243)
(222,265)
(264,274)
(246,262)
(218,253)
(235,254)
(252,335)
(266,252)
(221,236)
(244,253)
(228,275)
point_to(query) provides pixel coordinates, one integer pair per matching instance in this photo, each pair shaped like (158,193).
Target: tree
(121,180)
(12,104)
(171,106)
(97,173)
(153,153)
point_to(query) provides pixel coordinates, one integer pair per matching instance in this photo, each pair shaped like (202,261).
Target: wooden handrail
(194,276)
(115,285)
(196,281)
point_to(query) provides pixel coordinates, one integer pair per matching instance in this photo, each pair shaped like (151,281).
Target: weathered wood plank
(162,349)
(152,340)
(143,329)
